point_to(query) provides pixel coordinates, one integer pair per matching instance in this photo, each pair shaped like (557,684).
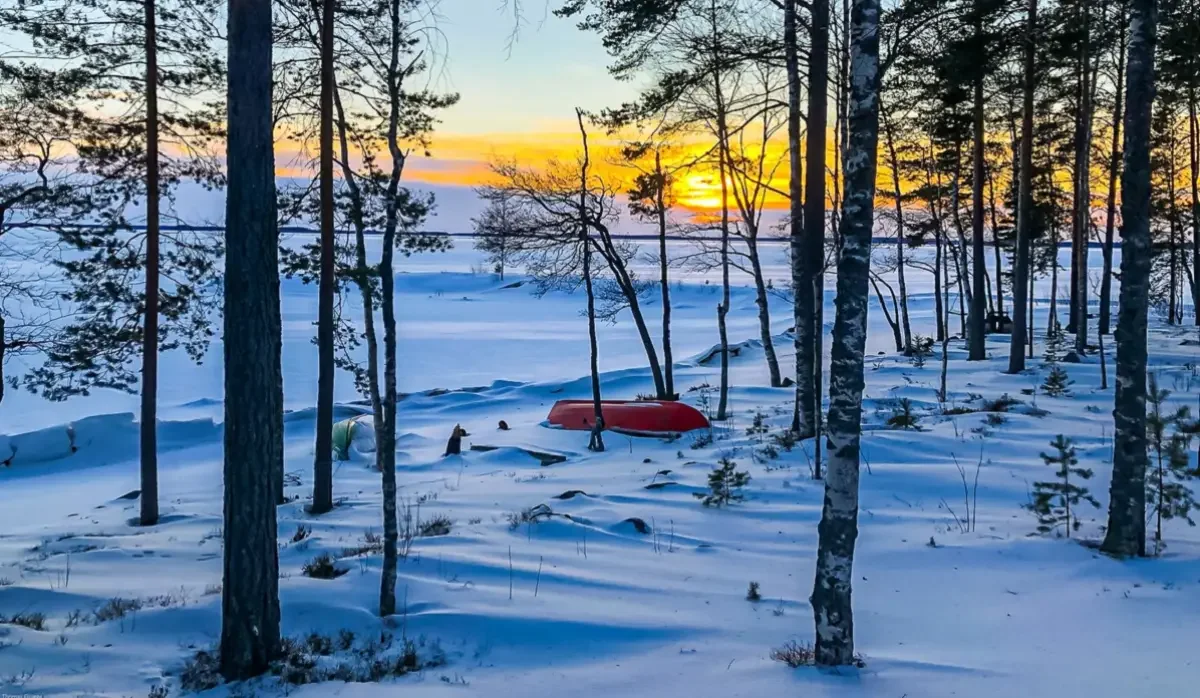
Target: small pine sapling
(903,417)
(1053,500)
(922,349)
(725,485)
(1054,345)
(1057,383)
(1167,487)
(758,426)
(752,593)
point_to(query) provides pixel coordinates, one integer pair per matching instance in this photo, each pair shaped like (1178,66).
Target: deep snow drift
(628,586)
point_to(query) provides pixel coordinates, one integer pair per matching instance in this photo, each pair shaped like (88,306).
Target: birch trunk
(795,197)
(386,438)
(1126,534)
(838,530)
(253,372)
(1194,162)
(362,271)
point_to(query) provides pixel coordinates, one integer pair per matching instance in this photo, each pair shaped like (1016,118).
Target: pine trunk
(1082,218)
(838,530)
(668,362)
(1114,170)
(1126,534)
(976,339)
(1022,297)
(149,407)
(323,459)
(809,294)
(252,341)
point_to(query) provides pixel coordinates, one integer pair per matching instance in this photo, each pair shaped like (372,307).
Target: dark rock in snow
(638,525)
(569,494)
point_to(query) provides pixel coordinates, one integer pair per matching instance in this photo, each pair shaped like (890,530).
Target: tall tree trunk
(668,362)
(149,409)
(996,245)
(323,459)
(887,315)
(959,251)
(362,272)
(253,371)
(1114,169)
(1194,163)
(1052,321)
(723,169)
(596,440)
(1173,310)
(1082,217)
(1022,277)
(898,196)
(795,199)
(3,345)
(976,341)
(1126,534)
(838,530)
(809,294)
(764,314)
(943,329)
(386,438)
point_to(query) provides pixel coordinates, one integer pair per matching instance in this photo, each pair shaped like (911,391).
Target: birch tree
(838,530)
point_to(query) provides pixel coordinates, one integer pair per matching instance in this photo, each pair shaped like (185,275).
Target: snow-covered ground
(589,602)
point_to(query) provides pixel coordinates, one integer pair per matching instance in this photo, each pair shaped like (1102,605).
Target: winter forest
(628,348)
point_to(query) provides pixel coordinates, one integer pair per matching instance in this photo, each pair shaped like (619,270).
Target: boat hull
(640,417)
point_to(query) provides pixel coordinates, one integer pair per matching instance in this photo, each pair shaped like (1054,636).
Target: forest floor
(604,575)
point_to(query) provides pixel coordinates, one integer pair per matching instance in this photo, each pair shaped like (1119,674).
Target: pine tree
(1169,436)
(1057,382)
(253,374)
(1126,533)
(725,485)
(1053,500)
(145,76)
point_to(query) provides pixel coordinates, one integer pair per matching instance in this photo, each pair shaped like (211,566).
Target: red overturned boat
(636,417)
